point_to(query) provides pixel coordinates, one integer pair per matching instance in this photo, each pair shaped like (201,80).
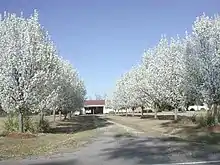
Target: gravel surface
(116,147)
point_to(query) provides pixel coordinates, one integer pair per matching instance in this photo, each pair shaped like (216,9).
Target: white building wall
(83,112)
(107,110)
(104,109)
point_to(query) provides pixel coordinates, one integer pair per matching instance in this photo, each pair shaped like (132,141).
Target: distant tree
(89,98)
(100,97)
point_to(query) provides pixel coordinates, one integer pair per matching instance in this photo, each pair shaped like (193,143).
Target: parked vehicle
(198,107)
(77,113)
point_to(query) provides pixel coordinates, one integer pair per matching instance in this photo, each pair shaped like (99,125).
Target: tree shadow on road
(126,134)
(54,162)
(160,150)
(79,124)
(1,158)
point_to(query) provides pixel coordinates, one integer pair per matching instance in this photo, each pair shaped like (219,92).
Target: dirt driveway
(117,146)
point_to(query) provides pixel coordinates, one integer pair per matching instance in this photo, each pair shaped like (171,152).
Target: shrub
(43,126)
(150,111)
(194,118)
(202,109)
(11,123)
(37,126)
(111,113)
(160,110)
(29,125)
(204,120)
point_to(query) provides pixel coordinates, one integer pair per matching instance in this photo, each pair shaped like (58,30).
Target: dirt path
(117,147)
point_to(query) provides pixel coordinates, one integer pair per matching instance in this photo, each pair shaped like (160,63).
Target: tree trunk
(218,108)
(187,107)
(54,115)
(60,116)
(65,115)
(21,122)
(68,115)
(133,112)
(210,107)
(155,113)
(175,114)
(126,112)
(215,113)
(142,111)
(41,116)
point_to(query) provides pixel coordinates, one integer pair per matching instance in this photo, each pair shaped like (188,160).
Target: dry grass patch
(189,131)
(2,119)
(42,145)
(150,125)
(183,128)
(145,125)
(64,136)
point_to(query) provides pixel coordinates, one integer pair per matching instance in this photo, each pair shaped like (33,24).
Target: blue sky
(104,38)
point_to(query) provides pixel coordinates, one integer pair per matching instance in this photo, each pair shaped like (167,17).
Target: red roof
(94,102)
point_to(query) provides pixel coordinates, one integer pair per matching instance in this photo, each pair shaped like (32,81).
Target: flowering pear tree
(174,75)
(142,86)
(27,60)
(120,95)
(152,61)
(177,72)
(115,102)
(32,76)
(164,74)
(203,51)
(72,91)
(192,78)
(137,89)
(130,90)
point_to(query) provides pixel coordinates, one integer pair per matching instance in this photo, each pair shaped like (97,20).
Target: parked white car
(198,107)
(77,113)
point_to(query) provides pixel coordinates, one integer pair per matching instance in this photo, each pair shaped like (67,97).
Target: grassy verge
(183,129)
(144,125)
(2,119)
(64,136)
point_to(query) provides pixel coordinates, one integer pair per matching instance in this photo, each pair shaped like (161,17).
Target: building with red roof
(94,103)
(95,107)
